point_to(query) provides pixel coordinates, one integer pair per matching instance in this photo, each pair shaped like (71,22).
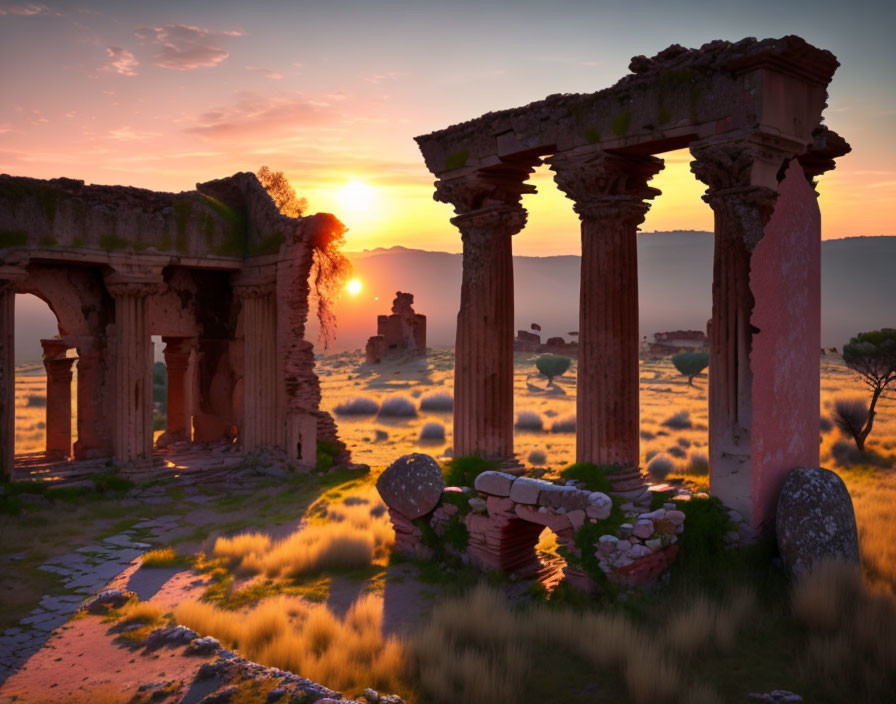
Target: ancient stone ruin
(526,341)
(751,114)
(217,272)
(401,334)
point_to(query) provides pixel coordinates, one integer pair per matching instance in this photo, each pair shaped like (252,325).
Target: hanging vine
(330,269)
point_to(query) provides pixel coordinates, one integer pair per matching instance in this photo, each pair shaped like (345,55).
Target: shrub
(850,416)
(537,458)
(699,464)
(551,366)
(358,407)
(398,407)
(593,477)
(462,471)
(564,425)
(678,421)
(825,424)
(164,557)
(432,432)
(690,364)
(659,467)
(439,403)
(529,421)
(36,401)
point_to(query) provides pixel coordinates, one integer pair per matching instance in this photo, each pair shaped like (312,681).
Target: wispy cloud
(29,10)
(182,47)
(120,61)
(252,114)
(266,72)
(126,134)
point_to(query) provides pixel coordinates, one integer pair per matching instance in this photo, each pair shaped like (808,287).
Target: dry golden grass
(143,612)
(851,630)
(704,623)
(346,534)
(102,694)
(476,646)
(873,495)
(289,633)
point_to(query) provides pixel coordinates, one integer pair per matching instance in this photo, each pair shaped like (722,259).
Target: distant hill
(675,278)
(675,281)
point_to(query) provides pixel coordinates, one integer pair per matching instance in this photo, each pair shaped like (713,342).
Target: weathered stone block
(495,483)
(815,520)
(412,485)
(527,491)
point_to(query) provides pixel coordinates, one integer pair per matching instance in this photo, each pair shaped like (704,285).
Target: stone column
(765,330)
(488,203)
(609,193)
(177,361)
(9,275)
(259,324)
(59,398)
(94,420)
(132,366)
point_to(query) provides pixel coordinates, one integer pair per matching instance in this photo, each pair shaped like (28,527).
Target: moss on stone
(234,241)
(269,245)
(182,209)
(47,240)
(48,202)
(13,238)
(592,135)
(620,123)
(78,242)
(457,160)
(664,116)
(112,242)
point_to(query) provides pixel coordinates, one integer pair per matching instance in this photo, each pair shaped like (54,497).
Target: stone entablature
(667,102)
(218,273)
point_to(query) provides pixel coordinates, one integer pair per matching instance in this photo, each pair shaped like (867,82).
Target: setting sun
(354,287)
(356,196)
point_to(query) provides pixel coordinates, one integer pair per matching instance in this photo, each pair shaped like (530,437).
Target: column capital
(132,280)
(605,185)
(254,283)
(820,157)
(11,274)
(489,198)
(54,348)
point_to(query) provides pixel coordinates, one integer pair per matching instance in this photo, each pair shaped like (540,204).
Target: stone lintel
(678,95)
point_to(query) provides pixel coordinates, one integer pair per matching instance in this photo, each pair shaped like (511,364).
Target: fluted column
(9,276)
(59,397)
(132,366)
(488,203)
(94,419)
(765,328)
(259,324)
(610,193)
(177,361)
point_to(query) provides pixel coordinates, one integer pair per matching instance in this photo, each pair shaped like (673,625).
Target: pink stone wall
(785,280)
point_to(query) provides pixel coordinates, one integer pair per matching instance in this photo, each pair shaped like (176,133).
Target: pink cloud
(120,61)
(34,8)
(253,114)
(181,47)
(266,72)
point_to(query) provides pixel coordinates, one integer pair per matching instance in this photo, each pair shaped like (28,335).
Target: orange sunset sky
(164,94)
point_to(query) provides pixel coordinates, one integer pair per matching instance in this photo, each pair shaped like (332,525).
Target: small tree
(281,192)
(551,366)
(872,355)
(691,364)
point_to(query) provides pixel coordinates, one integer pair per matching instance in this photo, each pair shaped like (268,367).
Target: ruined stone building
(750,113)
(217,272)
(401,334)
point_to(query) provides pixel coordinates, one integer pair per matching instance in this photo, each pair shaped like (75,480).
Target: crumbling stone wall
(218,272)
(403,333)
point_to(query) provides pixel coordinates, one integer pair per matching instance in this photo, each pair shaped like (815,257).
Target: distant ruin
(751,114)
(217,272)
(671,342)
(401,334)
(526,341)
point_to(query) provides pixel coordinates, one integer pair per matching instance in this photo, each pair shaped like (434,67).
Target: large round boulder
(412,485)
(815,520)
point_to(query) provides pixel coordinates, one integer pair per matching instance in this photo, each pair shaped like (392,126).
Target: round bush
(439,403)
(551,365)
(530,421)
(398,407)
(699,464)
(679,421)
(432,431)
(659,467)
(564,425)
(537,458)
(358,407)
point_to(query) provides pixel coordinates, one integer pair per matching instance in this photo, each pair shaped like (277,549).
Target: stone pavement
(83,572)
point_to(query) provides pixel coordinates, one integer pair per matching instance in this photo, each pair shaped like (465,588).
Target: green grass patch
(165,557)
(593,477)
(462,471)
